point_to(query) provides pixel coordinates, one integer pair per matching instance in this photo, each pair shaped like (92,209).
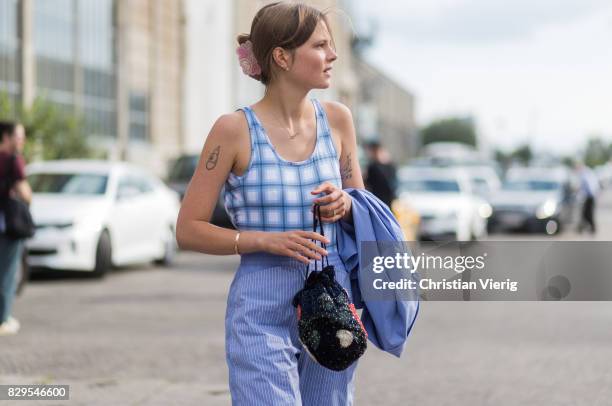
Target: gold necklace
(291,135)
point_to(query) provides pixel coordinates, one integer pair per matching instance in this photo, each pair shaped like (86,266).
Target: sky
(536,72)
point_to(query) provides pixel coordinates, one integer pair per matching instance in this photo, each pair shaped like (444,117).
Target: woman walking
(276,159)
(13,182)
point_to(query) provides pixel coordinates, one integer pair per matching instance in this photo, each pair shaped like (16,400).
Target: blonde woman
(276,158)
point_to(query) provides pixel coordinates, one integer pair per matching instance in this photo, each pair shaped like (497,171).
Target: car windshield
(429,185)
(531,184)
(480,182)
(183,169)
(69,183)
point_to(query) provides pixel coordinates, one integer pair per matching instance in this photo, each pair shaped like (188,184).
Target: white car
(446,203)
(485,181)
(91,215)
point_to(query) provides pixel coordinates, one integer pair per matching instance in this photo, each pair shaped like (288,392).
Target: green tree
(502,158)
(568,161)
(452,129)
(522,154)
(6,107)
(596,152)
(52,133)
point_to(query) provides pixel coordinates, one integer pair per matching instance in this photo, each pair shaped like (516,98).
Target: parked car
(445,201)
(533,200)
(91,215)
(484,179)
(179,176)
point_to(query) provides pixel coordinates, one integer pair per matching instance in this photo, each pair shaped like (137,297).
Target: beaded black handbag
(328,324)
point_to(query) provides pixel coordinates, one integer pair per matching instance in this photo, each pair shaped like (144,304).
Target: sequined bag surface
(329,327)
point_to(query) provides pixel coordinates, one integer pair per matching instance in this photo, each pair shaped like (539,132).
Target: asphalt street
(147,335)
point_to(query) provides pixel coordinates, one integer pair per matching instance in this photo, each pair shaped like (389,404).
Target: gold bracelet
(236,243)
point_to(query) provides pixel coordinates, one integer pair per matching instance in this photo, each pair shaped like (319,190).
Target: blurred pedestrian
(587,192)
(12,183)
(277,158)
(381,177)
(23,271)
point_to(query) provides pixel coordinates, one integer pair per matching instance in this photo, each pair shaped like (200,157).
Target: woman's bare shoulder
(341,123)
(231,126)
(338,115)
(232,130)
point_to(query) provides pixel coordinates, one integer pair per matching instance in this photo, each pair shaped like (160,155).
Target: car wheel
(103,255)
(169,249)
(552,227)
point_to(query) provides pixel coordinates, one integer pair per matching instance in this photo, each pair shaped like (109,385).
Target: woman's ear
(282,58)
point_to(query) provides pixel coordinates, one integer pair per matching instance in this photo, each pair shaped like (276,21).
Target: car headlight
(485,210)
(546,210)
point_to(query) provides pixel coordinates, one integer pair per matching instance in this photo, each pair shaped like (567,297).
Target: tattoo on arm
(213,158)
(347,169)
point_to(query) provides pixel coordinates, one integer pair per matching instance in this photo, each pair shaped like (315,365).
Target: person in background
(588,191)
(12,183)
(381,173)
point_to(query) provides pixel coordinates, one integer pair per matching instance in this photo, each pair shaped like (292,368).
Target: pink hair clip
(247,59)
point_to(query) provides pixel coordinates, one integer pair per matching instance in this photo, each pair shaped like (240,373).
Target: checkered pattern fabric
(274,194)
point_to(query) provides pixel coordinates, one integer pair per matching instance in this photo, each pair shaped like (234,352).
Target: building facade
(151,76)
(118,64)
(385,112)
(151,60)
(10,52)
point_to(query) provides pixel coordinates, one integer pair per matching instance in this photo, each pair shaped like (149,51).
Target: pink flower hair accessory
(247,60)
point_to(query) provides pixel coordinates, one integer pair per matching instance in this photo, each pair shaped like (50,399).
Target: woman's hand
(297,244)
(335,205)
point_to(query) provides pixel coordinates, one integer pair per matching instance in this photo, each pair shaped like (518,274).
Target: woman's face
(313,59)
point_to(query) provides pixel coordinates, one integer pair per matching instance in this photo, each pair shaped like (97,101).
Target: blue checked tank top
(274,194)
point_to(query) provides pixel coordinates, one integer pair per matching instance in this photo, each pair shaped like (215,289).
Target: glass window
(480,184)
(68,183)
(53,29)
(8,24)
(9,45)
(55,74)
(128,183)
(536,185)
(139,116)
(74,46)
(429,185)
(141,184)
(98,83)
(145,185)
(95,20)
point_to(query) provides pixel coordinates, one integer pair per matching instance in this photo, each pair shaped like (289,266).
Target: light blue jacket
(387,322)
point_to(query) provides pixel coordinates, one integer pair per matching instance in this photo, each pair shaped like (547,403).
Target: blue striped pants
(267,365)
